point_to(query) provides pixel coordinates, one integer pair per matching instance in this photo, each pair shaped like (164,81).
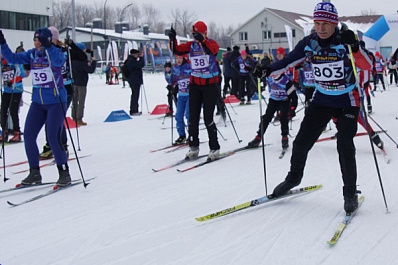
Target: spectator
(134,64)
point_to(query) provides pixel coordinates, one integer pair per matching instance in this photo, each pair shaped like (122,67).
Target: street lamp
(121,13)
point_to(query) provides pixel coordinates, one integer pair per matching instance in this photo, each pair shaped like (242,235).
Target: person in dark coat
(227,71)
(235,72)
(134,64)
(80,71)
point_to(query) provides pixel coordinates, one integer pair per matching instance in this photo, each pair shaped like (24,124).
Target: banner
(109,54)
(126,52)
(289,36)
(99,52)
(115,53)
(373,35)
(150,52)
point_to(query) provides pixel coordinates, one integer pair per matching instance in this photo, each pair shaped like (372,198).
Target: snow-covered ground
(131,215)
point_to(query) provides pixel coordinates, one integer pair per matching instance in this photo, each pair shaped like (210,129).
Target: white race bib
(199,62)
(41,76)
(329,72)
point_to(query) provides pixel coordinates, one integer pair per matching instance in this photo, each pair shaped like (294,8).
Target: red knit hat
(280,50)
(200,27)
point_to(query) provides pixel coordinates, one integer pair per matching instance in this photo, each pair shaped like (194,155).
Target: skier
(336,95)
(380,69)
(180,75)
(171,95)
(48,102)
(11,97)
(203,86)
(244,65)
(364,79)
(281,89)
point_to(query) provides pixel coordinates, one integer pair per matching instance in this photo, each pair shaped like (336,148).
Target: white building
(20,18)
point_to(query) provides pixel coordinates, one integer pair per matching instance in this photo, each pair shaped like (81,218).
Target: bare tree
(187,20)
(150,15)
(176,18)
(369,12)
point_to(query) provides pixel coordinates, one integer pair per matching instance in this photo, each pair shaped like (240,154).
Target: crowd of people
(194,83)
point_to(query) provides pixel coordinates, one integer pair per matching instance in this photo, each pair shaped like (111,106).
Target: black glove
(169,88)
(90,52)
(348,37)
(2,39)
(248,68)
(261,70)
(7,84)
(172,34)
(68,41)
(45,37)
(199,37)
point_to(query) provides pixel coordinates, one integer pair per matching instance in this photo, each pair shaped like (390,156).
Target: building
(266,31)
(19,19)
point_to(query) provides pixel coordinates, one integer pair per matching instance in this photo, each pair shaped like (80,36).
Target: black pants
(274,106)
(245,87)
(227,84)
(315,120)
(10,101)
(393,73)
(135,95)
(206,96)
(235,86)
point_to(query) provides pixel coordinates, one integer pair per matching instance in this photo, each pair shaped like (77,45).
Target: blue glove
(2,39)
(45,37)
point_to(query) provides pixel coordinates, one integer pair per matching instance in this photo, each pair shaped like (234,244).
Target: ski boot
(64,177)
(180,140)
(47,153)
(377,141)
(34,177)
(16,138)
(285,142)
(255,142)
(213,155)
(192,153)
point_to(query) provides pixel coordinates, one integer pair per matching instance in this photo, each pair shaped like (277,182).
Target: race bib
(8,75)
(183,85)
(41,76)
(199,62)
(329,72)
(309,76)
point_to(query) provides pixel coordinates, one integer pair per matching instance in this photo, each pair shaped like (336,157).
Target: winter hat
(200,27)
(167,64)
(81,46)
(134,51)
(243,52)
(326,12)
(236,48)
(280,50)
(377,54)
(55,33)
(43,32)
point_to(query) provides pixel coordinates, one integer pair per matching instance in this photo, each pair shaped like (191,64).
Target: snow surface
(131,215)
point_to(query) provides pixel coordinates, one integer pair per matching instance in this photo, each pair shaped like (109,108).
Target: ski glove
(172,34)
(261,71)
(2,39)
(199,37)
(348,37)
(45,37)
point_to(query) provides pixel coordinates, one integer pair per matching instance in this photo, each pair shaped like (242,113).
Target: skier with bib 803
(203,86)
(336,95)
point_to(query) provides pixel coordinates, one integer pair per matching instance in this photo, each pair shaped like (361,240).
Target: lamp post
(122,13)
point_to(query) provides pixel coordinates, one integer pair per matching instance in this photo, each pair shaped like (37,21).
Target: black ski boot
(350,194)
(377,141)
(64,177)
(285,142)
(255,142)
(34,177)
(284,187)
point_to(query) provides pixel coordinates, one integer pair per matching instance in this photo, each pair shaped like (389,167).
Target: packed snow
(131,215)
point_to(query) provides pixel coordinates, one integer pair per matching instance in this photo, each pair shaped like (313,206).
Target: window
(280,35)
(22,21)
(293,33)
(267,35)
(243,36)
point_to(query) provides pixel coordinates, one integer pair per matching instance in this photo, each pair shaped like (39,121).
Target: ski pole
(262,134)
(362,107)
(384,131)
(66,121)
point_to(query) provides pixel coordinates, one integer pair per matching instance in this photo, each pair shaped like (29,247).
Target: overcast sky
(232,12)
